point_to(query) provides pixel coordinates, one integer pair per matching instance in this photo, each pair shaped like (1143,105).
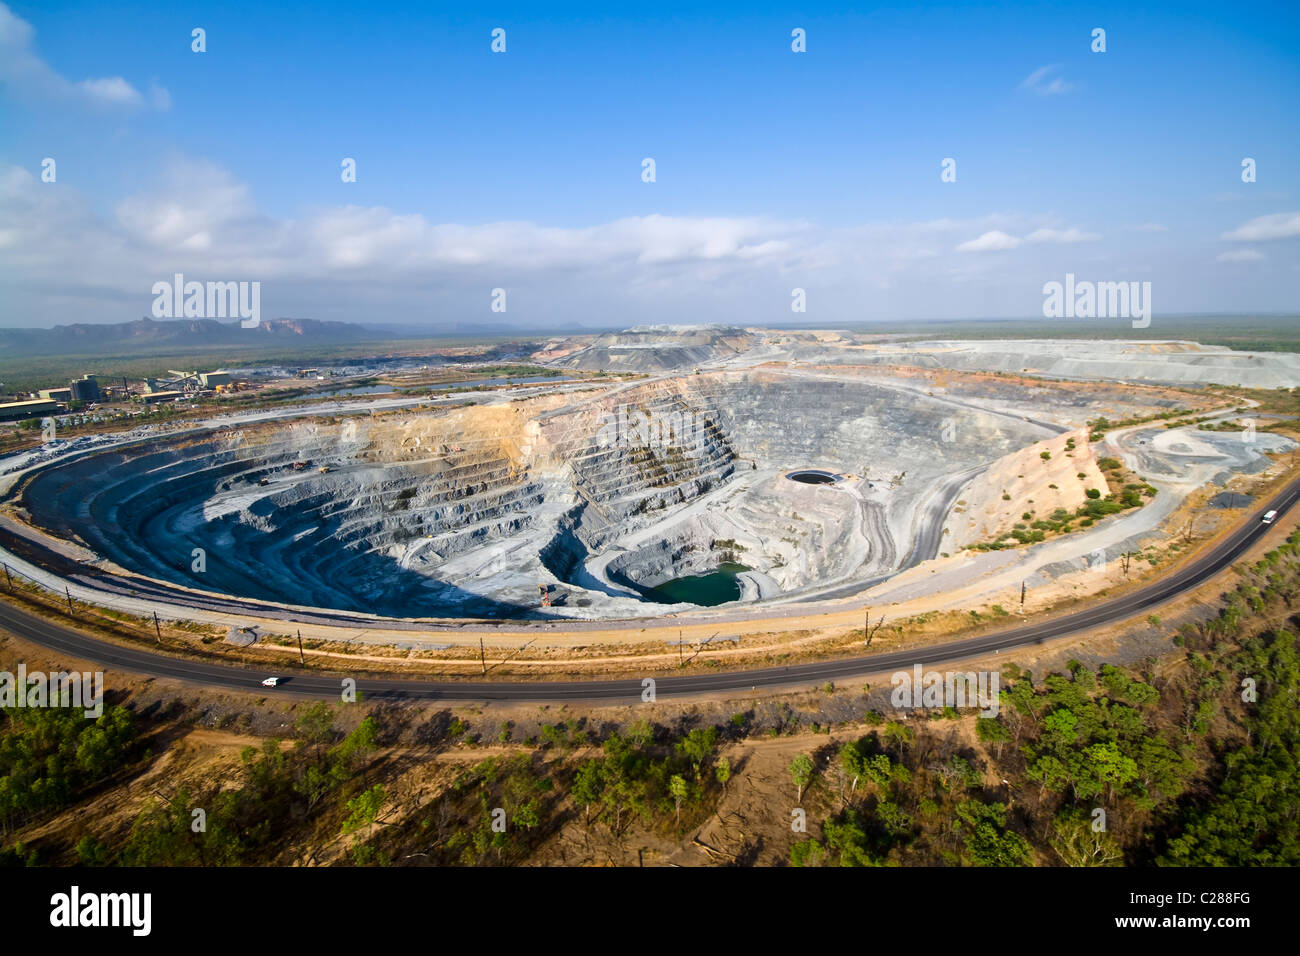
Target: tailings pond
(707,590)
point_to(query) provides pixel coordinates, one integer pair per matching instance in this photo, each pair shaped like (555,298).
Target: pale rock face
(983,514)
(1172,363)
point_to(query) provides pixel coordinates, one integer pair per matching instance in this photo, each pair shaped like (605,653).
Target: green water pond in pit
(707,590)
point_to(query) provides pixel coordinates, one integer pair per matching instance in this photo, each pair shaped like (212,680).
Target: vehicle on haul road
(270,682)
(1269,516)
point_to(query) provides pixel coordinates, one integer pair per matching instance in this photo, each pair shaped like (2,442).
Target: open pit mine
(774,468)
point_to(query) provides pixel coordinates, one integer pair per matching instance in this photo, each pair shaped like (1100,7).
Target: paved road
(56,637)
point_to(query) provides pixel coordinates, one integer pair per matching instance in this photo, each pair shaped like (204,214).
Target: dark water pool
(813,476)
(707,590)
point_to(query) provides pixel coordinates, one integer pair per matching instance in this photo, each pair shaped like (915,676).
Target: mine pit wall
(793,534)
(463,510)
(634,456)
(330,538)
(1165,363)
(797,535)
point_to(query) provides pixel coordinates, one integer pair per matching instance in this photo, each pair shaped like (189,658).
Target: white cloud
(63,259)
(1240,255)
(994,240)
(1061,235)
(1043,81)
(199,218)
(1281,225)
(195,199)
(112,90)
(1150,227)
(26,76)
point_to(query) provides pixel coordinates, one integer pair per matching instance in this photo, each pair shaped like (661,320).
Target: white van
(1269,516)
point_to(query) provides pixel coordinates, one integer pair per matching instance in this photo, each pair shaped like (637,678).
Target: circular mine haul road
(57,637)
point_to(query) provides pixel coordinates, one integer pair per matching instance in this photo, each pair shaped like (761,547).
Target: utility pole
(870,634)
(69,594)
(482,656)
(1022,593)
(157,627)
(8,579)
(302,659)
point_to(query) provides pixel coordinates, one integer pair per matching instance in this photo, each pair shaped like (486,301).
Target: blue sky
(522,170)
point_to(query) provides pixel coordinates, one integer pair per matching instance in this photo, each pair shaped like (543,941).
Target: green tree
(990,730)
(698,746)
(358,746)
(852,763)
(1078,844)
(588,785)
(801,770)
(677,787)
(641,733)
(723,771)
(365,809)
(987,842)
(898,736)
(807,853)
(91,852)
(315,725)
(1110,767)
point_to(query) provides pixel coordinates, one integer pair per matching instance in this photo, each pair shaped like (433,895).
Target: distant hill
(151,335)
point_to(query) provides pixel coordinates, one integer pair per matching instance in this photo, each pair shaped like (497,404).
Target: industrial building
(151,398)
(85,389)
(57,394)
(12,411)
(187,381)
